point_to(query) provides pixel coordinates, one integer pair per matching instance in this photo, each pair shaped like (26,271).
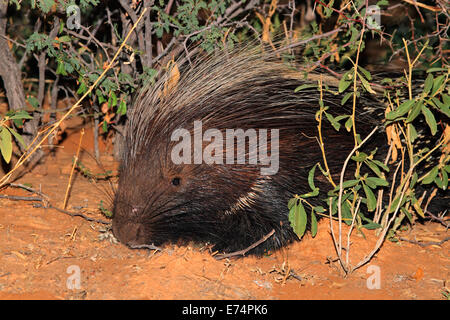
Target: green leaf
(313,224)
(439,182)
(20,114)
(336,125)
(429,118)
(444,179)
(414,179)
(333,203)
(104,210)
(346,213)
(313,193)
(64,39)
(341,117)
(394,203)
(365,73)
(112,101)
(18,137)
(372,226)
(292,215)
(305,86)
(321,105)
(101,98)
(413,132)
(380,164)
(429,177)
(437,83)
(292,202)
(346,97)
(105,126)
(349,124)
(446,99)
(371,200)
(360,157)
(366,85)
(82,89)
(347,184)
(301,220)
(401,110)
(6,144)
(436,70)
(297,217)
(437,103)
(414,112)
(61,69)
(46,5)
(122,109)
(446,110)
(428,84)
(370,184)
(383,3)
(377,181)
(33,101)
(374,168)
(344,83)
(407,214)
(319,209)
(311,177)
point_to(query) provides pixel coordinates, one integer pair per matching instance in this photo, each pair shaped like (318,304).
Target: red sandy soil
(38,245)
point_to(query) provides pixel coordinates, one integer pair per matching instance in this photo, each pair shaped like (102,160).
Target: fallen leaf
(19,255)
(418,275)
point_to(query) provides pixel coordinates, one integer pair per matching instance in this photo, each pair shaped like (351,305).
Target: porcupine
(231,206)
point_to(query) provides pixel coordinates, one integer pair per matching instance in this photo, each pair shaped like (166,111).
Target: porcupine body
(229,205)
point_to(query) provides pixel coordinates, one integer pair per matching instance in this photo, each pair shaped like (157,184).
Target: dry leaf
(447,139)
(419,274)
(109,116)
(19,255)
(431,239)
(336,54)
(104,107)
(337,285)
(174,77)
(58,135)
(266,22)
(393,138)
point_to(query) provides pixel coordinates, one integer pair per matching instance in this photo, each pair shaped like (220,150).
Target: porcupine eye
(176,181)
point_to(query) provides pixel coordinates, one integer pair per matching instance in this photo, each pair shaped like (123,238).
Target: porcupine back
(229,205)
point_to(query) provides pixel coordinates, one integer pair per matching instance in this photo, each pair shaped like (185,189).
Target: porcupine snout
(129,232)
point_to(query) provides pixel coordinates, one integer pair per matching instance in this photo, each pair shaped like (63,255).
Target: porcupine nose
(129,233)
